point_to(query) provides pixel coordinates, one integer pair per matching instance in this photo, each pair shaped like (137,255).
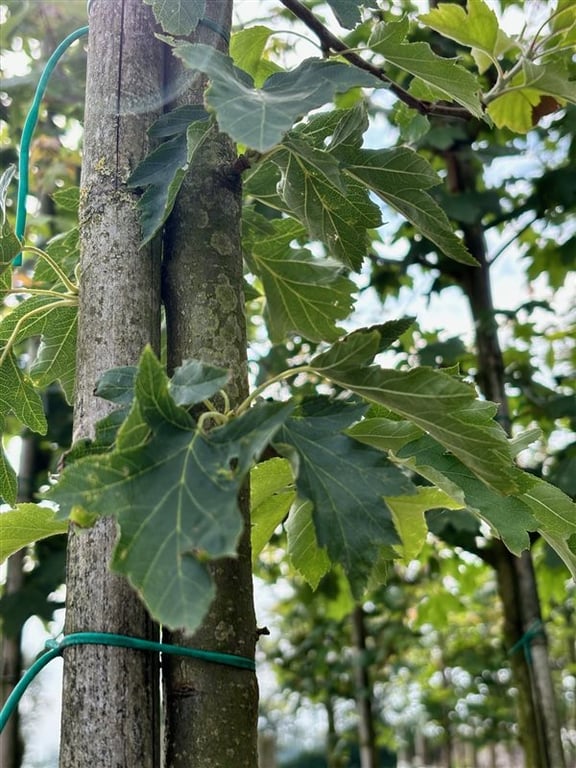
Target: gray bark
(110,694)
(211,710)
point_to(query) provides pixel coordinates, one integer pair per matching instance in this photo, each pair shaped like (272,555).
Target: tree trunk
(542,743)
(110,694)
(363,692)
(11,747)
(211,711)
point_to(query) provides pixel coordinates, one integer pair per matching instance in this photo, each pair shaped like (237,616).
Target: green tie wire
(28,130)
(55,648)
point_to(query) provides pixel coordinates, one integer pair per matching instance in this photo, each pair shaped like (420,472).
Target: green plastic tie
(28,130)
(525,642)
(56,647)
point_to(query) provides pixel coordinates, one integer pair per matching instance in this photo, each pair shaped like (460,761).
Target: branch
(330,42)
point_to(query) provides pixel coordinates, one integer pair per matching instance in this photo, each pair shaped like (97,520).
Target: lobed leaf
(346,483)
(304,294)
(259,117)
(475,27)
(509,516)
(173,492)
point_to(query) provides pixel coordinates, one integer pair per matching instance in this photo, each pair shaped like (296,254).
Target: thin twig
(330,42)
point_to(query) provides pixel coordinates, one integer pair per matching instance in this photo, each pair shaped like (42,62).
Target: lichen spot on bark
(227,297)
(222,243)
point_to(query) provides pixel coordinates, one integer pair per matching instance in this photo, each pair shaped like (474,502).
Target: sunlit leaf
(311,561)
(247,50)
(449,79)
(476,26)
(271,496)
(25,524)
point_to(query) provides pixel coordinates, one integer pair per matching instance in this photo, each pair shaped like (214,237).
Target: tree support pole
(110,694)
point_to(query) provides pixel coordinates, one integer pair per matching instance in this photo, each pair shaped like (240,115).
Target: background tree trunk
(110,694)
(211,710)
(363,692)
(540,730)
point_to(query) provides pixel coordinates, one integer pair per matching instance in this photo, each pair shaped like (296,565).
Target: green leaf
(554,510)
(5,181)
(445,76)
(475,27)
(347,12)
(509,516)
(247,50)
(304,294)
(333,210)
(271,496)
(400,177)
(25,524)
(56,358)
(18,396)
(346,483)
(514,110)
(259,117)
(174,495)
(194,382)
(10,246)
(563,549)
(384,434)
(432,400)
(117,385)
(163,172)
(551,79)
(178,17)
(311,562)
(67,199)
(409,521)
(8,479)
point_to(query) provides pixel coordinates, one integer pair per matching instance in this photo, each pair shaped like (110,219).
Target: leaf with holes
(304,294)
